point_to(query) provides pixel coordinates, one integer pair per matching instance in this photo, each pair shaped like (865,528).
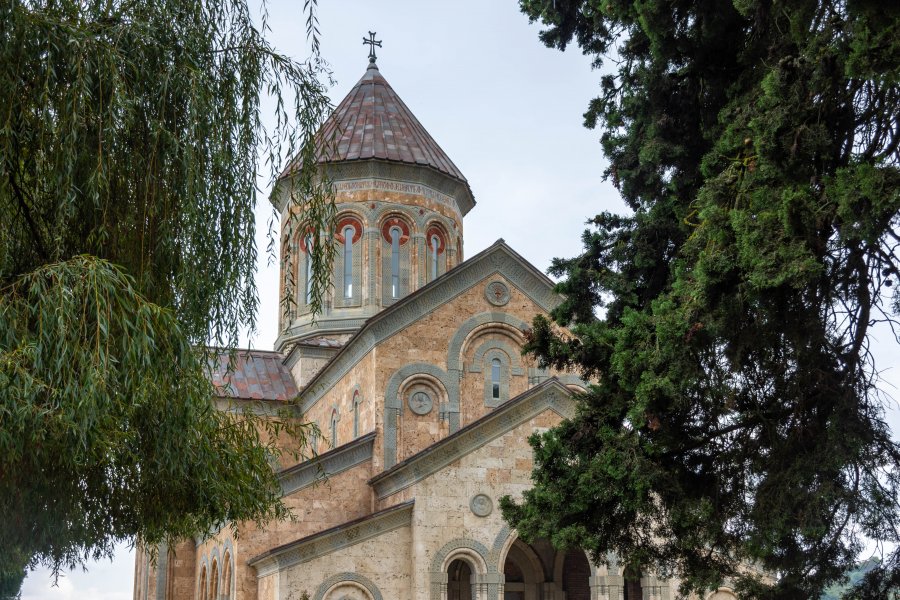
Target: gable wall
(382,562)
(442,517)
(340,396)
(427,341)
(341,498)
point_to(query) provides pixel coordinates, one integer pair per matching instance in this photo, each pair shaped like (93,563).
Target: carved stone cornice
(551,395)
(331,540)
(436,185)
(325,465)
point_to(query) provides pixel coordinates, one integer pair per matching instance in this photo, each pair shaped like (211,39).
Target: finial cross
(372,42)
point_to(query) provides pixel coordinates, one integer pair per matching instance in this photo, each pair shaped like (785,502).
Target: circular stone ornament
(497,293)
(420,402)
(481,505)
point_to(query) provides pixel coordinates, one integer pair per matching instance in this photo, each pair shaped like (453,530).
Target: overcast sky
(505,109)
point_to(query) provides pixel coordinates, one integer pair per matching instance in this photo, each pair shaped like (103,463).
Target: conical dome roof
(373,122)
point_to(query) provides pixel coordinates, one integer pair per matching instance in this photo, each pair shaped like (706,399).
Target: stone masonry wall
(384,561)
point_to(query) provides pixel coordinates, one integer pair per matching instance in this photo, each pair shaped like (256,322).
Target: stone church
(415,377)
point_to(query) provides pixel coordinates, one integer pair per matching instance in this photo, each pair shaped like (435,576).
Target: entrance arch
(523,573)
(459,580)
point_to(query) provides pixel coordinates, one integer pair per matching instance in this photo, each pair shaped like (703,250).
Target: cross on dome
(372,42)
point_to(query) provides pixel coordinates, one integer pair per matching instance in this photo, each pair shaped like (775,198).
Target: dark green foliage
(130,146)
(736,419)
(835,592)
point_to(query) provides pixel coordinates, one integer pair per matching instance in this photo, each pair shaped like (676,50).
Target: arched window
(395,261)
(214,582)
(356,401)
(395,257)
(334,431)
(349,232)
(436,256)
(314,439)
(308,268)
(202,595)
(347,262)
(496,366)
(226,577)
(435,246)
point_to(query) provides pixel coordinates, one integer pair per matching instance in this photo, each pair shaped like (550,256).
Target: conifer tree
(131,139)
(736,430)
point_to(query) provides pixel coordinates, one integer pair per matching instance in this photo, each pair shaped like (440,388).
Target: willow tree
(131,140)
(736,431)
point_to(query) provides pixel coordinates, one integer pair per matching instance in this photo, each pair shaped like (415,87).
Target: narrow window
(309,269)
(214,582)
(348,261)
(495,378)
(395,262)
(334,421)
(355,415)
(435,243)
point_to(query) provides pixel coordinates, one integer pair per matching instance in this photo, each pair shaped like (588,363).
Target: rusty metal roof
(257,375)
(372,122)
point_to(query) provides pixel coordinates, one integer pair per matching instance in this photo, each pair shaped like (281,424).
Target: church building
(414,374)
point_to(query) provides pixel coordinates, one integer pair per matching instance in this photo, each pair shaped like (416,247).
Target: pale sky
(507,110)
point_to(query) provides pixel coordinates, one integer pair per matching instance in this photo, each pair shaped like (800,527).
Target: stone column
(487,586)
(419,261)
(439,585)
(370,267)
(549,592)
(606,587)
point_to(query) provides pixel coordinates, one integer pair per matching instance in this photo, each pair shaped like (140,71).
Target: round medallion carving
(481,505)
(497,293)
(420,402)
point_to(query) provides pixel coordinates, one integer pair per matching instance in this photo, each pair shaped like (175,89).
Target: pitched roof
(257,375)
(372,122)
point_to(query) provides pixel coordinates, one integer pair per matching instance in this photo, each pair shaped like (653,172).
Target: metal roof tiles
(257,375)
(372,122)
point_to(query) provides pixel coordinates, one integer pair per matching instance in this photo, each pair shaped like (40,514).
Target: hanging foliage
(132,138)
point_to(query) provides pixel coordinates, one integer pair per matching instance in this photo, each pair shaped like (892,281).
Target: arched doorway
(459,580)
(631,585)
(576,575)
(523,573)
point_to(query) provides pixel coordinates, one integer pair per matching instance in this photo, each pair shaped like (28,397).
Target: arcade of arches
(531,572)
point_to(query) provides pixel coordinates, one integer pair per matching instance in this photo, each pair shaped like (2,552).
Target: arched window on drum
(436,252)
(348,262)
(395,260)
(305,275)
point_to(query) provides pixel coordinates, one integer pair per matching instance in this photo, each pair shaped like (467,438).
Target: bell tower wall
(397,228)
